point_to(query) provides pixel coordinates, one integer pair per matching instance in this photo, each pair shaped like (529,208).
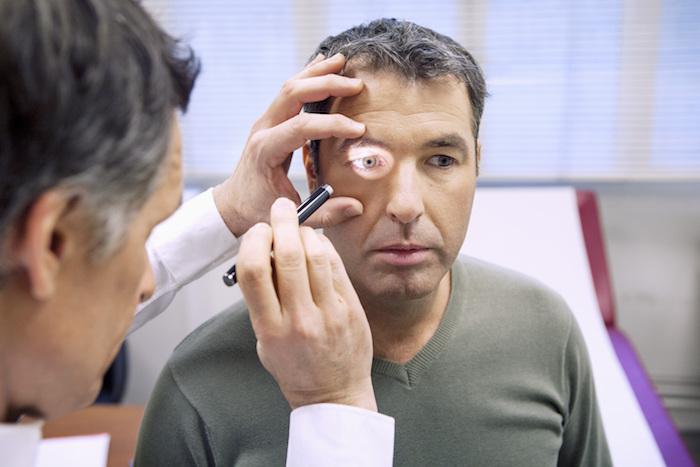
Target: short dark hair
(88,89)
(411,51)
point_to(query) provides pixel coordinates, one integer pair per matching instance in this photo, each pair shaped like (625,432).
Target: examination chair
(554,235)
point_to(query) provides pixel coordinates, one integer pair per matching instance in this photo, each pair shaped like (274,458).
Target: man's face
(94,303)
(414,170)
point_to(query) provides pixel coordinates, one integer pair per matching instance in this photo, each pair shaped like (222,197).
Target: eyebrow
(452,140)
(360,142)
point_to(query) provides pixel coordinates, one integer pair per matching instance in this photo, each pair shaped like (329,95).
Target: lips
(403,254)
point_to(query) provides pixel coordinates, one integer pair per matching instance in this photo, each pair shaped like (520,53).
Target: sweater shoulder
(512,295)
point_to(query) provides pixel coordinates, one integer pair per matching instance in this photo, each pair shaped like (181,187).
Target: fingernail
(352,211)
(360,127)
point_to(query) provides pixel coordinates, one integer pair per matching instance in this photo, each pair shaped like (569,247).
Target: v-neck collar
(410,372)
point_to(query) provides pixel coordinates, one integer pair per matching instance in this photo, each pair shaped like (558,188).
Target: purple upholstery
(667,438)
(670,444)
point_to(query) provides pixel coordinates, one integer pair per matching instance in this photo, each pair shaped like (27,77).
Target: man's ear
(310,166)
(478,156)
(42,241)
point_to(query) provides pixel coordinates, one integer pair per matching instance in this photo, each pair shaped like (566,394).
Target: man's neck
(401,328)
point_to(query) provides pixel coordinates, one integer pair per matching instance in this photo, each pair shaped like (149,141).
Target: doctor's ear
(311,166)
(43,239)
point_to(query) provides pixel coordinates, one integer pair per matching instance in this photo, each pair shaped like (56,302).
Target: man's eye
(367,162)
(442,161)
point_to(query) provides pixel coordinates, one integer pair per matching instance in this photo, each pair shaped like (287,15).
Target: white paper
(538,231)
(74,451)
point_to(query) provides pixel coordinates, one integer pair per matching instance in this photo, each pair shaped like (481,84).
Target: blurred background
(600,95)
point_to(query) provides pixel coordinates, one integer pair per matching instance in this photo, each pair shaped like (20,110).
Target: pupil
(369,162)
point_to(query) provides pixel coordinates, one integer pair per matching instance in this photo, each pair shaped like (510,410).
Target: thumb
(335,211)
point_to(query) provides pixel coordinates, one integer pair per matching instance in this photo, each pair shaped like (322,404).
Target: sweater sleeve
(584,442)
(172,432)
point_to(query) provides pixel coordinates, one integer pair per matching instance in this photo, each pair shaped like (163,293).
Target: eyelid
(357,155)
(453,159)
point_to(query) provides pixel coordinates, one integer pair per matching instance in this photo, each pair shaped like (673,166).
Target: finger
(319,267)
(279,141)
(341,281)
(254,273)
(290,259)
(321,65)
(297,92)
(334,211)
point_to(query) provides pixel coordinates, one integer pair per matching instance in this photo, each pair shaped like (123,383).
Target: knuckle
(315,251)
(288,88)
(253,272)
(339,119)
(255,142)
(288,258)
(305,330)
(327,219)
(317,259)
(300,122)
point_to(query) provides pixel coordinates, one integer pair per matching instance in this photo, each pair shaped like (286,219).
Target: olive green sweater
(505,381)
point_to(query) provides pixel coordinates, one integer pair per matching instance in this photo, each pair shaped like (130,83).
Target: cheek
(451,205)
(128,279)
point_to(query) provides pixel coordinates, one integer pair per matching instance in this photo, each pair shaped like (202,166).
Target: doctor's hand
(261,175)
(313,335)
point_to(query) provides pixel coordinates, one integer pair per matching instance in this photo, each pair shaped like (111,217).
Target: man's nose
(148,284)
(406,200)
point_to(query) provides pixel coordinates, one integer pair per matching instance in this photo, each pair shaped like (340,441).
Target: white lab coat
(190,243)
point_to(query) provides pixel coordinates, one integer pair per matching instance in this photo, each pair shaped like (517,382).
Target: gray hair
(88,89)
(413,52)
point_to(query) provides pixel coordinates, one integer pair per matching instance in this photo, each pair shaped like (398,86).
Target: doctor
(90,163)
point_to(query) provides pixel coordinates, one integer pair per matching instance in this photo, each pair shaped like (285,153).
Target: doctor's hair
(410,51)
(88,94)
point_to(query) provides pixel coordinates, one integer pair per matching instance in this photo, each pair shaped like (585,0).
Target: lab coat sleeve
(339,435)
(190,243)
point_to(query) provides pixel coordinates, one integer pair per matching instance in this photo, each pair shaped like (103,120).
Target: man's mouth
(403,254)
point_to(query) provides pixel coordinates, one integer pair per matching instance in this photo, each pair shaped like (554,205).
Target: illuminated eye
(367,163)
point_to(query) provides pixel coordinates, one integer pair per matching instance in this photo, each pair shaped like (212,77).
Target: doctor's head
(415,167)
(89,164)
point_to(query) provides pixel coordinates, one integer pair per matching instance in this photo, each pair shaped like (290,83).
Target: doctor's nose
(148,284)
(406,202)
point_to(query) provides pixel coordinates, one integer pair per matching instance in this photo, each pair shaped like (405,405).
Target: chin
(399,288)
(70,403)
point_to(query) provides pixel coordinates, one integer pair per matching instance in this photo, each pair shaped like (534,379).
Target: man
(89,163)
(478,365)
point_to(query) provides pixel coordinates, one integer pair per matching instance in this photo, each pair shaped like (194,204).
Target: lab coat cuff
(198,229)
(348,435)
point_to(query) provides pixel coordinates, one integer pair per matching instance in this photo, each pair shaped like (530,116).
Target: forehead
(392,104)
